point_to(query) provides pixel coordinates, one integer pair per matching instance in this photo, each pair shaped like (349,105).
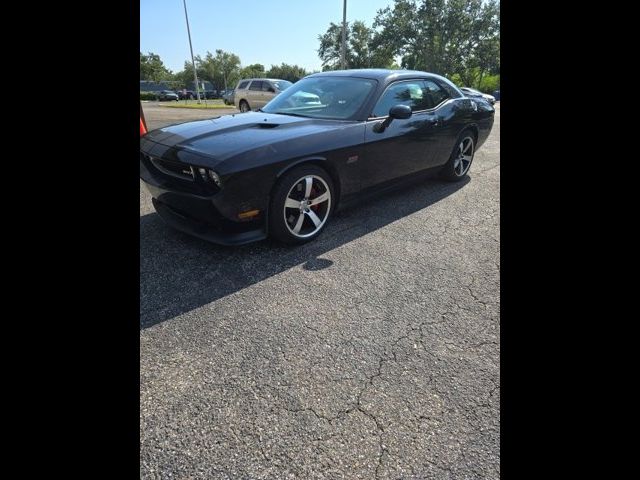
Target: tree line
(459,39)
(222,69)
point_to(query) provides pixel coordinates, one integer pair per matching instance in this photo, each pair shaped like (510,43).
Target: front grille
(173,168)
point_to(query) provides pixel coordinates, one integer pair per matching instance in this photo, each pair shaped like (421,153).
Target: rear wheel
(461,158)
(244,106)
(301,204)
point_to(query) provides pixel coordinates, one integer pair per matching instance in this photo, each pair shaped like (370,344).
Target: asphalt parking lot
(157,115)
(372,352)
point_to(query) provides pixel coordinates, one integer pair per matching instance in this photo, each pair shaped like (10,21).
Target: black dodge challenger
(327,140)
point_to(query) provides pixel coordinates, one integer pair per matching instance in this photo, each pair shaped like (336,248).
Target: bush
(148,95)
(490,84)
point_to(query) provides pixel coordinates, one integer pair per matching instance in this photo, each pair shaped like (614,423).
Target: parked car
(188,95)
(227,97)
(283,171)
(167,95)
(255,93)
(209,94)
(472,92)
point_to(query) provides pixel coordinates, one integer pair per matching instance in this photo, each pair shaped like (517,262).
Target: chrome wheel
(464,156)
(307,206)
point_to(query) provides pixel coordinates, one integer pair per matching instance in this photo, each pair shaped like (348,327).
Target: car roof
(261,78)
(375,73)
(383,76)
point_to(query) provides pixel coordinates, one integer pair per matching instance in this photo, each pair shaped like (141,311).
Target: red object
(143,122)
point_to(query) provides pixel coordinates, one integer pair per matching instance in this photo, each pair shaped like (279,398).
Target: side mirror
(400,112)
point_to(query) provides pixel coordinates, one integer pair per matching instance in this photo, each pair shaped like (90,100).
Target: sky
(258,31)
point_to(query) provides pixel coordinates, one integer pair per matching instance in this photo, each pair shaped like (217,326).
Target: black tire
(284,221)
(244,106)
(453,171)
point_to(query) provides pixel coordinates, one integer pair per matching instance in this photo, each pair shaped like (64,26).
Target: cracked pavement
(370,353)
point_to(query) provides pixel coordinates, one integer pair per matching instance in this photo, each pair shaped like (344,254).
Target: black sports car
(283,170)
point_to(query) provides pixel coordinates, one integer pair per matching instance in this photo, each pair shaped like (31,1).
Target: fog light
(215,177)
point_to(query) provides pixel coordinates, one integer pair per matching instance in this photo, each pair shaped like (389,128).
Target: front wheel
(301,204)
(244,106)
(461,158)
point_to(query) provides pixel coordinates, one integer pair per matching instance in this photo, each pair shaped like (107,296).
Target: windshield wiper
(292,114)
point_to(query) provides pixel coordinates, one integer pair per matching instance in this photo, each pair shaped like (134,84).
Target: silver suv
(254,93)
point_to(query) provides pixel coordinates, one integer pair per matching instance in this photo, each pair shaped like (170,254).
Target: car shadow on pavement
(179,273)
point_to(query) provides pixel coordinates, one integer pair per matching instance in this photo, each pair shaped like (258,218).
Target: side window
(409,93)
(256,85)
(453,93)
(243,85)
(434,93)
(266,86)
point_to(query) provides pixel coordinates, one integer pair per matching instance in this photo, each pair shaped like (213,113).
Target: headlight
(215,177)
(209,176)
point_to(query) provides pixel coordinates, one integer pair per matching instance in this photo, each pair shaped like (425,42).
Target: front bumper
(194,227)
(198,215)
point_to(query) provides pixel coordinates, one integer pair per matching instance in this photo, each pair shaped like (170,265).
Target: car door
(254,94)
(268,92)
(449,114)
(405,146)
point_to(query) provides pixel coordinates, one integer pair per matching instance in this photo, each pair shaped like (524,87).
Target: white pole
(343,60)
(195,74)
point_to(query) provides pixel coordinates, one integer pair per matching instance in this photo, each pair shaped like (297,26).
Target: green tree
(152,68)
(221,69)
(446,37)
(252,71)
(184,78)
(362,49)
(293,73)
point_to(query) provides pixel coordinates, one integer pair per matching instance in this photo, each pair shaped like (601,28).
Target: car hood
(219,139)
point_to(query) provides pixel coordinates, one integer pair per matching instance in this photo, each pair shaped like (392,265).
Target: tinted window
(256,85)
(282,84)
(323,97)
(266,86)
(453,93)
(411,93)
(434,93)
(243,84)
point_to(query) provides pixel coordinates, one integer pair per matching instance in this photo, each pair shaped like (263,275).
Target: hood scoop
(267,125)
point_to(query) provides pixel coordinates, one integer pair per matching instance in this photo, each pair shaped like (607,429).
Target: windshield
(322,97)
(282,84)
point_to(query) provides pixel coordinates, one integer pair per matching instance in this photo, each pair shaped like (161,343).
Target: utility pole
(195,74)
(343,61)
